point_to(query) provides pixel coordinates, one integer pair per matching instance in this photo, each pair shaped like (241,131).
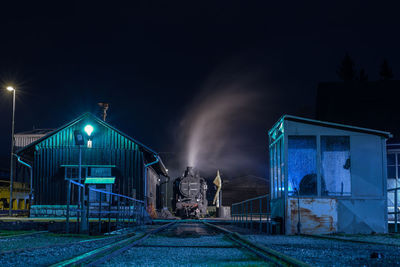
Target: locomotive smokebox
(190,195)
(189,171)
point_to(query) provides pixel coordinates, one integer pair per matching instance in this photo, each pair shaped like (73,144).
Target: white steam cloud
(216,130)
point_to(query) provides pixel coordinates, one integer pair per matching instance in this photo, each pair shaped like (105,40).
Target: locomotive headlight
(198,200)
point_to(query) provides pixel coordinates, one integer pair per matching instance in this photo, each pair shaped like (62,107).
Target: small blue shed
(327,177)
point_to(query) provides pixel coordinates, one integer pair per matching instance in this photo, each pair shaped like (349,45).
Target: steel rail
(23,235)
(350,240)
(186,246)
(66,244)
(263,252)
(104,253)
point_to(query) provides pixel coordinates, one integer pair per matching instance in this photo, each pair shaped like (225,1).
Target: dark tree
(363,76)
(346,70)
(386,71)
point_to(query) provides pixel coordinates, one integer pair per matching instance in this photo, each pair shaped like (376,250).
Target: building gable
(103,136)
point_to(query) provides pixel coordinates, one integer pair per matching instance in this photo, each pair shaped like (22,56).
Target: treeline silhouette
(347,72)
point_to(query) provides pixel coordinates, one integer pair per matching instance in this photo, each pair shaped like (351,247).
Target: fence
(253,213)
(394,208)
(107,207)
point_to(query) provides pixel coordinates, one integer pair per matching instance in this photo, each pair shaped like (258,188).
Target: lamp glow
(89,129)
(10,88)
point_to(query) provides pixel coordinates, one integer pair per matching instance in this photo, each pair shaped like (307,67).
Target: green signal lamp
(89,129)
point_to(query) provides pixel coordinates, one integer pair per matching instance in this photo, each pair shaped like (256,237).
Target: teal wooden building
(107,155)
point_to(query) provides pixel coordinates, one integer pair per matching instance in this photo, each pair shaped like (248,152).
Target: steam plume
(215,129)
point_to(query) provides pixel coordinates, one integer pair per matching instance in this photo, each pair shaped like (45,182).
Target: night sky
(150,60)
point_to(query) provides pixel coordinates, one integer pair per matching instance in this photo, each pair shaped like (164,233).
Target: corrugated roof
(36,132)
(331,125)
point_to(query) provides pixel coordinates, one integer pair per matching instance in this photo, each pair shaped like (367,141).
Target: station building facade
(328,177)
(107,153)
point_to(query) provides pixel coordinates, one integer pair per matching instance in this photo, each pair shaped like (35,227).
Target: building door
(94,196)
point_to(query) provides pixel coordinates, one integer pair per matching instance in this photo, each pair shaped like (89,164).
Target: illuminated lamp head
(89,129)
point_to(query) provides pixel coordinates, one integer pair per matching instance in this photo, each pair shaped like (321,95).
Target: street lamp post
(11,89)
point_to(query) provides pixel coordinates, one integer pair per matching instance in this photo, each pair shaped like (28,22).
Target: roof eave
(387,135)
(31,145)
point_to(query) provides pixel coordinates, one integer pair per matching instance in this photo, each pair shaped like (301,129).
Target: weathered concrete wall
(52,211)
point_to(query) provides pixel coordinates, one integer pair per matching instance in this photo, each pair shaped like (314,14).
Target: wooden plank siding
(108,148)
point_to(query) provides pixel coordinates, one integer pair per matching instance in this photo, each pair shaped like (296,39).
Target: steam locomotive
(190,195)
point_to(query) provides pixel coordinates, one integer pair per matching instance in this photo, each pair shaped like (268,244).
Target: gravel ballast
(327,252)
(194,244)
(186,245)
(193,253)
(45,256)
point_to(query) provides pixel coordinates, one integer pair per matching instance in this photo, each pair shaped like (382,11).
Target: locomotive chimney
(189,171)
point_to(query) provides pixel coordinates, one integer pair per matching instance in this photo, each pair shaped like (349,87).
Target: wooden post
(260,210)
(251,215)
(68,203)
(396,211)
(100,213)
(109,212)
(117,219)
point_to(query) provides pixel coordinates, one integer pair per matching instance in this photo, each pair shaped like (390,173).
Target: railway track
(104,253)
(45,248)
(22,235)
(182,243)
(59,245)
(192,243)
(263,252)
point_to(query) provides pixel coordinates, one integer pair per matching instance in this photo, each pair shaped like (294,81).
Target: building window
(393,169)
(277,166)
(100,172)
(335,166)
(302,165)
(392,164)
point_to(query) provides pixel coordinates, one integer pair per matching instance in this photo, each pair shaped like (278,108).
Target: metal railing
(253,213)
(108,207)
(394,208)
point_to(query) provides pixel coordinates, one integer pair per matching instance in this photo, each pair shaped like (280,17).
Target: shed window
(335,165)
(392,163)
(302,165)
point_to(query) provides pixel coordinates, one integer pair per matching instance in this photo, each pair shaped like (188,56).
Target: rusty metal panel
(317,215)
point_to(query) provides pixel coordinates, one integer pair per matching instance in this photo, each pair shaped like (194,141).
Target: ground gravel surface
(44,239)
(325,252)
(186,245)
(45,256)
(194,252)
(393,239)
